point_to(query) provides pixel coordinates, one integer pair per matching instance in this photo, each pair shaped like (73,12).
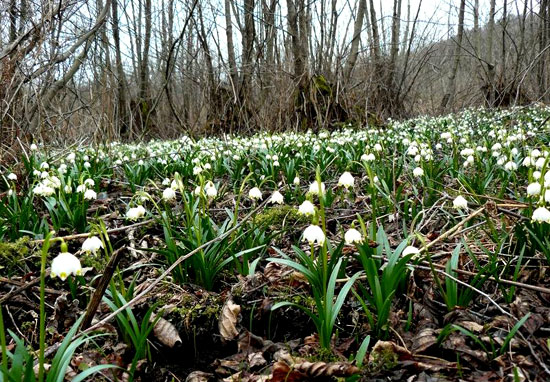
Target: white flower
(533,189)
(296,180)
(368,157)
(378,147)
(89,182)
(68,189)
(541,215)
(306,208)
(510,166)
(353,236)
(313,234)
(277,198)
(255,193)
(460,202)
(43,190)
(166,182)
(346,180)
(92,244)
(81,188)
(410,250)
(90,195)
(314,188)
(64,265)
(34,147)
(168,194)
(211,190)
(418,172)
(135,213)
(12,176)
(44,165)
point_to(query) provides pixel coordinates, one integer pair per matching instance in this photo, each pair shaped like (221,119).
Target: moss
(385,359)
(277,215)
(12,253)
(197,315)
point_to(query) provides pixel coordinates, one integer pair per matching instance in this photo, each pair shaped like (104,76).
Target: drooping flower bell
(277,198)
(346,180)
(255,193)
(314,234)
(168,194)
(352,236)
(92,245)
(306,208)
(64,265)
(460,202)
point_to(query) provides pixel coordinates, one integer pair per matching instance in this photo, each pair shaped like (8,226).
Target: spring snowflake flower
(68,189)
(89,182)
(410,250)
(71,157)
(296,180)
(547,196)
(418,172)
(211,190)
(90,195)
(541,215)
(34,147)
(12,176)
(43,190)
(277,198)
(510,166)
(64,265)
(87,165)
(168,194)
(255,193)
(314,188)
(352,236)
(533,189)
(346,180)
(460,202)
(313,234)
(135,213)
(306,208)
(92,245)
(368,157)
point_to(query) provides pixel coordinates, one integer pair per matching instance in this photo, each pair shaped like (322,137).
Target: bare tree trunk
(357,28)
(543,40)
(248,48)
(477,34)
(448,98)
(122,113)
(375,35)
(233,72)
(144,68)
(490,64)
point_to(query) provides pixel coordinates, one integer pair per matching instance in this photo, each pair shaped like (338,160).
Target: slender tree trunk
(375,35)
(122,113)
(233,72)
(448,98)
(357,28)
(144,67)
(491,70)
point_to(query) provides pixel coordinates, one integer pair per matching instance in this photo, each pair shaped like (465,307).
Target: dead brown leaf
(227,323)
